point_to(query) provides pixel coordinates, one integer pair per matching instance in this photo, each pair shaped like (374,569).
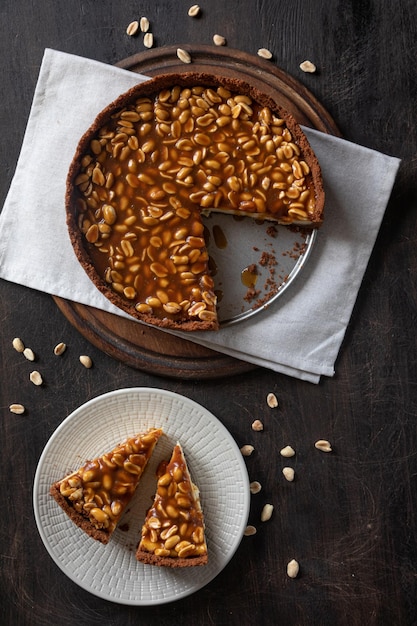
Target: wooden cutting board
(150,349)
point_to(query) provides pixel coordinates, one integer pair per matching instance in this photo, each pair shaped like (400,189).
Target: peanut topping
(102,488)
(174,525)
(156,165)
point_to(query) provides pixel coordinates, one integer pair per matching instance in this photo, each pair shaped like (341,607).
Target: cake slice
(96,495)
(173,533)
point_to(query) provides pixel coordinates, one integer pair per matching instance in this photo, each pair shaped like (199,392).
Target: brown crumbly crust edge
(79,520)
(166,561)
(150,88)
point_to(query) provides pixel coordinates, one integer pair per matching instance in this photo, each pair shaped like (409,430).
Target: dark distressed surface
(349,518)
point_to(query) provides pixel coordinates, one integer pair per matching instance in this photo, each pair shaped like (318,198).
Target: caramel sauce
(219,237)
(249,276)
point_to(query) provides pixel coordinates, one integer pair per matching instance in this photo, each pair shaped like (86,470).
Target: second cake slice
(173,533)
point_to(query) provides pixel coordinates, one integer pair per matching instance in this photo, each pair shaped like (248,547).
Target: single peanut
(288,473)
(265,53)
(323,445)
(18,344)
(60,348)
(18,409)
(308,66)
(219,40)
(255,487)
(293,568)
(194,10)
(257,425)
(86,361)
(266,513)
(144,24)
(272,400)
(247,450)
(36,378)
(29,354)
(132,29)
(287,452)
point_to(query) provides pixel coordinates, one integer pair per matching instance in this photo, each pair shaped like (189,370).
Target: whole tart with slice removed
(173,533)
(159,157)
(96,495)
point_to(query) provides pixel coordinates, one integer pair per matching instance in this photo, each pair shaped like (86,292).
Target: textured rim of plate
(299,264)
(209,448)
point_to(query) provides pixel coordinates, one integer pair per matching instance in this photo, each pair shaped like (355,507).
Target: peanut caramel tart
(173,533)
(165,153)
(96,495)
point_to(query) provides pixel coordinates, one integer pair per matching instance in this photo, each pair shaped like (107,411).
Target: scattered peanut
(18,409)
(36,378)
(86,361)
(29,354)
(144,24)
(272,401)
(60,348)
(255,487)
(194,10)
(257,425)
(148,40)
(288,473)
(18,344)
(265,53)
(183,55)
(132,29)
(249,531)
(219,40)
(293,568)
(287,452)
(308,66)
(323,445)
(247,450)
(266,513)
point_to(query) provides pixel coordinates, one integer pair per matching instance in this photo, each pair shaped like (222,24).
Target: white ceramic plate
(216,465)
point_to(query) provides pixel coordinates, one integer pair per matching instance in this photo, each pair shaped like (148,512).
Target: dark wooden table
(349,518)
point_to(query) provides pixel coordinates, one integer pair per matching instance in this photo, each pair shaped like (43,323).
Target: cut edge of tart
(173,534)
(166,152)
(96,495)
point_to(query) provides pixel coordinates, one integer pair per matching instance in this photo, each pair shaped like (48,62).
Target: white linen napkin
(300,335)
